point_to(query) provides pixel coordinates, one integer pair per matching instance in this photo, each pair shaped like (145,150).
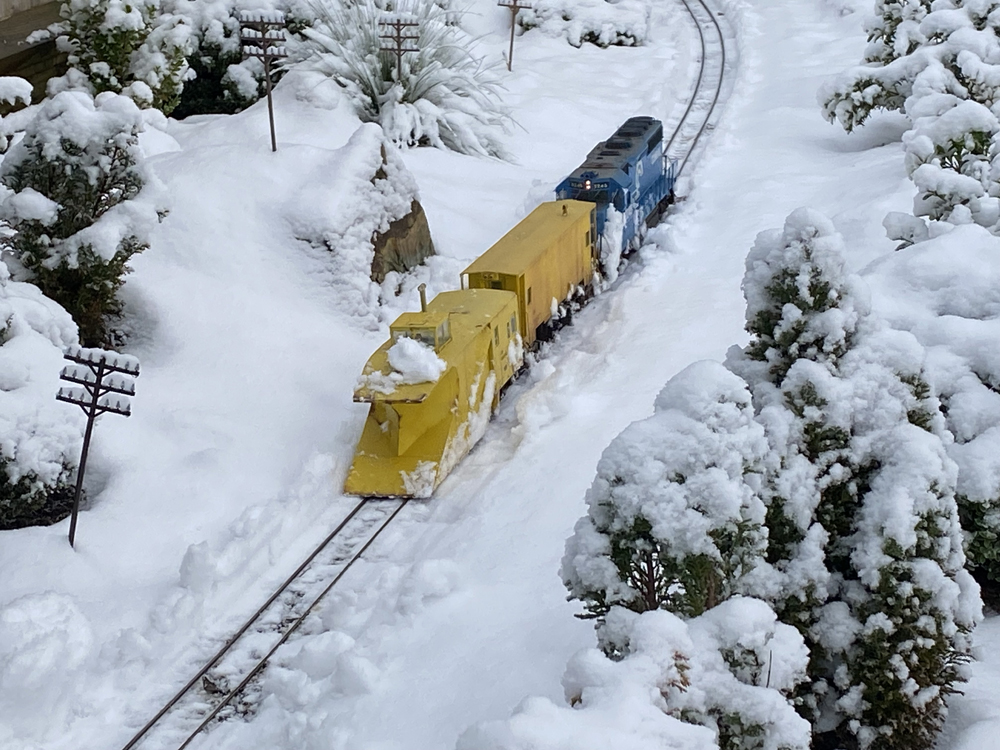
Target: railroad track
(707,89)
(225,686)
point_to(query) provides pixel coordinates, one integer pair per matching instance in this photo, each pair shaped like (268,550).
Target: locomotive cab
(629,174)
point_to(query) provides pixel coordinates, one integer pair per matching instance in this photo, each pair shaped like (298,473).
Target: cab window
(423,335)
(444,333)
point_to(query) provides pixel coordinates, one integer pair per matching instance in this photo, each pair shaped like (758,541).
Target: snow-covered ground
(251,341)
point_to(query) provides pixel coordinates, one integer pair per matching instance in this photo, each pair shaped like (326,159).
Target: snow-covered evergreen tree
(860,492)
(129,48)
(674,521)
(941,68)
(443,96)
(70,181)
(949,50)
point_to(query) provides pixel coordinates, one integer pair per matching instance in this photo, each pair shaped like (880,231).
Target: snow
(13,90)
(415,361)
(37,434)
(252,330)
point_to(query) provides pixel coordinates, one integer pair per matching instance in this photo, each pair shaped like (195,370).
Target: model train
(435,383)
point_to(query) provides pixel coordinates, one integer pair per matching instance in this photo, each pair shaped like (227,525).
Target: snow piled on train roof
(412,362)
(415,361)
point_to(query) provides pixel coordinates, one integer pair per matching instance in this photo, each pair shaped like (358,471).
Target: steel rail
(245,627)
(697,89)
(697,83)
(722,75)
(298,621)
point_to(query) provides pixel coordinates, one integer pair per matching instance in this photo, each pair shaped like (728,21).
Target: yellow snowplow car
(416,432)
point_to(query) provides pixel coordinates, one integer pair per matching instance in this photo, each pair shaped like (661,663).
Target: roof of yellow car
(517,250)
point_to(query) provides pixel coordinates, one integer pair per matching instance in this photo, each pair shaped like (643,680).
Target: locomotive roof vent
(620,145)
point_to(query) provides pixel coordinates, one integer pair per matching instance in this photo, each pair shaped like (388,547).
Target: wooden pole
(270,104)
(91,416)
(513,20)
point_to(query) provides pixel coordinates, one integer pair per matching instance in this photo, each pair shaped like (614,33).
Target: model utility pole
(515,6)
(107,380)
(400,39)
(262,34)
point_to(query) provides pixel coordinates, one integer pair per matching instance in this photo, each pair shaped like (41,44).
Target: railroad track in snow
(225,686)
(707,89)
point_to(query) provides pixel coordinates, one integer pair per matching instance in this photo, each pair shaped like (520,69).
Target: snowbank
(46,644)
(340,203)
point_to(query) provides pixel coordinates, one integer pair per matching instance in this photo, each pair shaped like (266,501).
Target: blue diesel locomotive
(629,173)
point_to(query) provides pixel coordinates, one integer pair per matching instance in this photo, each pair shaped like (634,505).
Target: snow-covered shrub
(674,521)
(894,29)
(941,68)
(445,96)
(953,308)
(717,681)
(601,22)
(39,438)
(69,182)
(129,48)
(948,50)
(862,516)
(220,80)
(221,85)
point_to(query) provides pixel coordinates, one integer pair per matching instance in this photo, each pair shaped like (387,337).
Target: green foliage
(86,181)
(780,342)
(904,646)
(852,106)
(124,47)
(736,734)
(30,502)
(981,526)
(686,585)
(921,414)
(213,92)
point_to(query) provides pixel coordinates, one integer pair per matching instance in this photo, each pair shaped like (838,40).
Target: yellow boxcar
(416,433)
(543,260)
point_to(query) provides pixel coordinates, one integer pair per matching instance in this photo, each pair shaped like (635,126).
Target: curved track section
(226,684)
(707,91)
